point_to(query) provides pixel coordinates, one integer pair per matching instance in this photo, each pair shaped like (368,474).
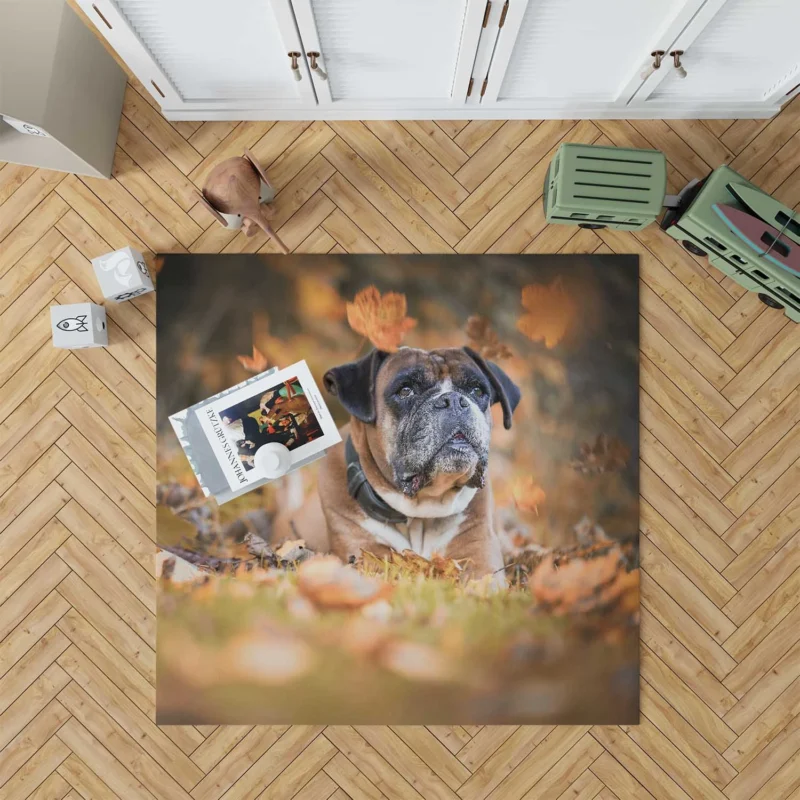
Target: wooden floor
(720,472)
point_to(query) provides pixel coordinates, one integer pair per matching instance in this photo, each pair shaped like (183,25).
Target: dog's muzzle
(449,435)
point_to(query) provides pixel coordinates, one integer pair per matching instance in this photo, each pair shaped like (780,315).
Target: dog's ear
(505,391)
(354,385)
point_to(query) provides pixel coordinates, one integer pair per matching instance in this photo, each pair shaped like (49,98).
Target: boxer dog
(411,471)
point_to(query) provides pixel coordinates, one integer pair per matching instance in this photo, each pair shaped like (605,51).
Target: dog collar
(359,488)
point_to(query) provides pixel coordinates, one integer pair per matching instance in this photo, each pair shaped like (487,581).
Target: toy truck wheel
(769,301)
(592,226)
(694,249)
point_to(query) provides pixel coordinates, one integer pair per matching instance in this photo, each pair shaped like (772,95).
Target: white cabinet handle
(676,57)
(321,74)
(651,68)
(295,66)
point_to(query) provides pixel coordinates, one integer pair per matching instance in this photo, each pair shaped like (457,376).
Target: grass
(275,647)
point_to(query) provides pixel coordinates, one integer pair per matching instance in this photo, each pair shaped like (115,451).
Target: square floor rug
(398,489)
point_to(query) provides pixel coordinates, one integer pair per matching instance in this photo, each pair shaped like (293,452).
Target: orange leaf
(605,454)
(256,363)
(485,340)
(317,299)
(363,636)
(265,657)
(329,584)
(550,313)
(293,550)
(528,495)
(417,662)
(382,319)
(594,579)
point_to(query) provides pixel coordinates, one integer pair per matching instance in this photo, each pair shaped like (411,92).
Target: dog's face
(431,411)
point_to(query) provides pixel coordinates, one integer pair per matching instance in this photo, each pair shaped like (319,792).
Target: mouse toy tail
(263,223)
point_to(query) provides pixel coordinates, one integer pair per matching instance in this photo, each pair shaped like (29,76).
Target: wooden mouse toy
(235,188)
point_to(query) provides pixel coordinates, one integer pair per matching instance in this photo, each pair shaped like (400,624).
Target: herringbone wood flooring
(720,409)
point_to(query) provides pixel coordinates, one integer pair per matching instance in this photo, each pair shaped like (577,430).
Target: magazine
(222,434)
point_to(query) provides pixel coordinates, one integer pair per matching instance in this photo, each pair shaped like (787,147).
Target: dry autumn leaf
(329,584)
(595,578)
(370,564)
(409,564)
(520,539)
(301,608)
(363,636)
(605,454)
(265,658)
(550,312)
(293,551)
(259,548)
(177,495)
(382,319)
(379,611)
(588,532)
(528,495)
(255,363)
(317,299)
(175,570)
(483,338)
(416,662)
(444,567)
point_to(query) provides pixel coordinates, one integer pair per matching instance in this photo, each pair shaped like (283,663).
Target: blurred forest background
(560,645)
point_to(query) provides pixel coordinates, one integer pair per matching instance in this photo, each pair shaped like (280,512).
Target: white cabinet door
(562,54)
(735,51)
(390,53)
(208,55)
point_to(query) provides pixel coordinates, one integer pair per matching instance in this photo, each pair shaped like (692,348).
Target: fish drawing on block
(765,240)
(77,324)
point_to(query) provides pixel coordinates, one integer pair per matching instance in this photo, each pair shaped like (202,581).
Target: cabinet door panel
(207,53)
(580,51)
(748,51)
(419,51)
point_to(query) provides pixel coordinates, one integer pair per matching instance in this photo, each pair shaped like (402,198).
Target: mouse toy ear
(506,392)
(213,211)
(354,385)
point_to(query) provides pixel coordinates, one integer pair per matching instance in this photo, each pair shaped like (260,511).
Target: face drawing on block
(120,264)
(77,324)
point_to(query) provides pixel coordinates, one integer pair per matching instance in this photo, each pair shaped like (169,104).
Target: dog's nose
(450,400)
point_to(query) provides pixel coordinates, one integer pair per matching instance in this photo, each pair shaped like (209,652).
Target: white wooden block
(24,127)
(122,274)
(78,325)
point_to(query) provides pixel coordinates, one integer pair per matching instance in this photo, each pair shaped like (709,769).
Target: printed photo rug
(453,535)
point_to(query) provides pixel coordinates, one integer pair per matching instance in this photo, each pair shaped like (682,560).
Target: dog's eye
(405,391)
(477,391)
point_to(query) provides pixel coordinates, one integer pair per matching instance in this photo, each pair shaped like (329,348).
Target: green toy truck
(609,187)
(702,232)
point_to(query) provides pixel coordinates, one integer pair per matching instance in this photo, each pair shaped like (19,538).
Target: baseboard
(696,111)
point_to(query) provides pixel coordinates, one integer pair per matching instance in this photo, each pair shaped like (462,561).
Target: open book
(222,434)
